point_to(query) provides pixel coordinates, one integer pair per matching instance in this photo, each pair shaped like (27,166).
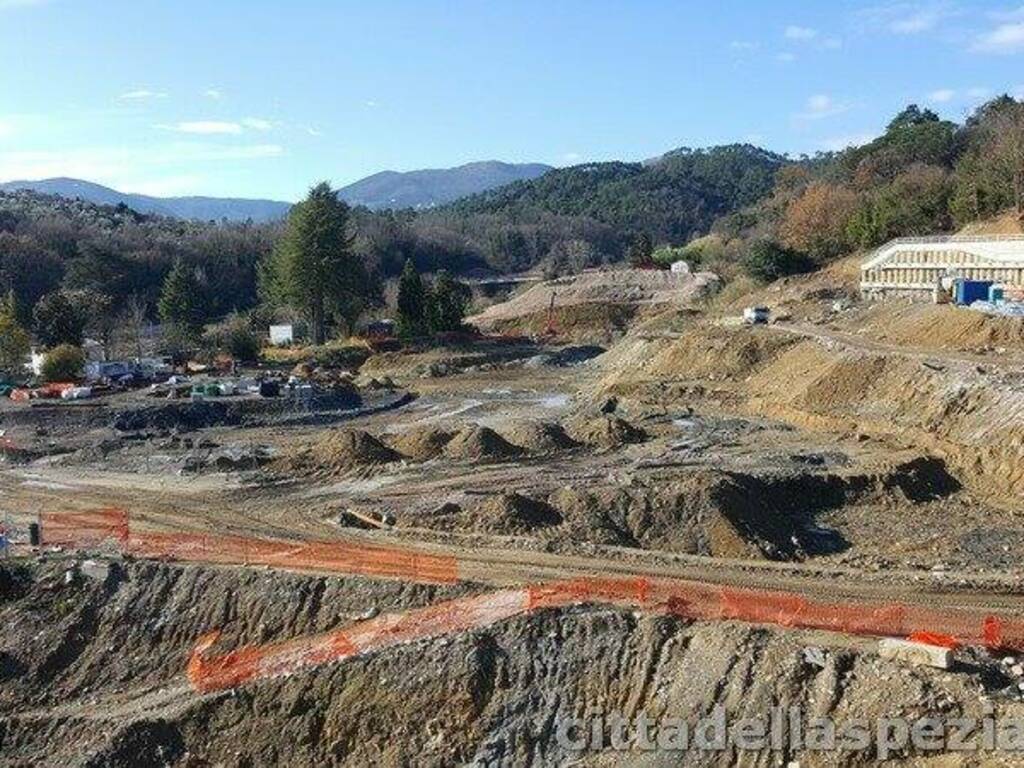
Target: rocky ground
(877,441)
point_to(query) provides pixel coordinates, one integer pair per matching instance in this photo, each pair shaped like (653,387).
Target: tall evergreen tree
(641,250)
(448,303)
(413,303)
(313,268)
(180,305)
(14,340)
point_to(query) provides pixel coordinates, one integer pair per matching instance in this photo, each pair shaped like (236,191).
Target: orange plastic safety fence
(694,600)
(340,557)
(210,673)
(77,529)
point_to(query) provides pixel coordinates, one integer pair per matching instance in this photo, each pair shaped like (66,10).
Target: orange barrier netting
(83,529)
(694,600)
(340,557)
(686,599)
(88,528)
(209,673)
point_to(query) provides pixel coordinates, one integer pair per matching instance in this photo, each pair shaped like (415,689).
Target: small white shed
(282,334)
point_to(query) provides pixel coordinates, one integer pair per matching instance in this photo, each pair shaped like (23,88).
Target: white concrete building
(912,266)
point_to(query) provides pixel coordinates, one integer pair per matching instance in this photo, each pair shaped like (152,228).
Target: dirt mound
(621,286)
(605,432)
(942,327)
(477,443)
(421,444)
(594,323)
(340,451)
(539,437)
(510,513)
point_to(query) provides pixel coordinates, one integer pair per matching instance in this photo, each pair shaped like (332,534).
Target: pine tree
(413,303)
(314,269)
(180,305)
(640,251)
(448,303)
(14,340)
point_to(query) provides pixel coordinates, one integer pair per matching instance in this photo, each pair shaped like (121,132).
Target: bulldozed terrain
(846,454)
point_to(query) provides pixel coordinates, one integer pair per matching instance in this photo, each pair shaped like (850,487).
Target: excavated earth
(91,675)
(875,440)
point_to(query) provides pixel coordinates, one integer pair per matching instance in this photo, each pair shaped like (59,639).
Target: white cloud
(743,45)
(571,157)
(911,18)
(212,93)
(1004,39)
(794,32)
(205,127)
(831,44)
(371,103)
(786,56)
(839,143)
(6,128)
(915,23)
(941,96)
(820,106)
(141,94)
(257,123)
(314,131)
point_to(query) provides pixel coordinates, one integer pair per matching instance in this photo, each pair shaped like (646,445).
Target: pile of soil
(340,451)
(606,432)
(477,443)
(421,444)
(539,437)
(602,287)
(510,513)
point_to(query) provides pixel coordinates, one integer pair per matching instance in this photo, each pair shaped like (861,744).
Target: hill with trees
(199,208)
(69,267)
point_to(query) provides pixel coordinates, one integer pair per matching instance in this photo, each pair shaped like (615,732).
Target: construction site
(616,496)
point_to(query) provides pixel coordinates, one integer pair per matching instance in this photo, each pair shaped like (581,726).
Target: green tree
(314,269)
(413,303)
(448,301)
(768,261)
(180,306)
(14,340)
(63,363)
(60,319)
(640,251)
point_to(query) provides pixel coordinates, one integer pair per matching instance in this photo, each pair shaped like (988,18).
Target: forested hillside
(730,209)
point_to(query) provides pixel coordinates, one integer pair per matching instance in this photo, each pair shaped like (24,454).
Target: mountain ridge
(190,207)
(430,187)
(418,189)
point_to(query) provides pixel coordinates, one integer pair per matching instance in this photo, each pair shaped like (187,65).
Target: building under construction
(914,266)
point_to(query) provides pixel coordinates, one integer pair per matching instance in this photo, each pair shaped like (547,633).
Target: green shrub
(243,345)
(768,261)
(63,363)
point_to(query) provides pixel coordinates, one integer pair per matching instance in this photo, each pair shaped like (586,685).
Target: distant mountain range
(436,186)
(203,208)
(389,189)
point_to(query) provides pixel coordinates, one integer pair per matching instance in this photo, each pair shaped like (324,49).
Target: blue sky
(261,99)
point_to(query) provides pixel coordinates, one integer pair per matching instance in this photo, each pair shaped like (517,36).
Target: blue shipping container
(969,291)
(995,294)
